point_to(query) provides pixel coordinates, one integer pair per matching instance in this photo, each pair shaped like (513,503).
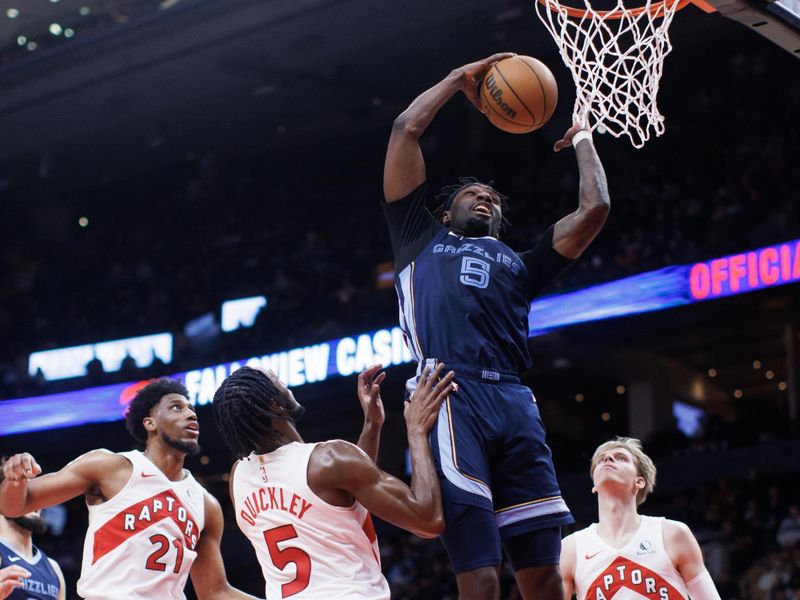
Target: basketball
(519,94)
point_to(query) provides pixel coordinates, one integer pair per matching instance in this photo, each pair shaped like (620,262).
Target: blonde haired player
(625,555)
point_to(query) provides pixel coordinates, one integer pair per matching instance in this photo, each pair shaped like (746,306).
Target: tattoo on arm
(574,233)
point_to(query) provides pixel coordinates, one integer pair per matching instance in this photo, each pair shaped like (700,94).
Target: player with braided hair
(306,507)
(244,407)
(151,524)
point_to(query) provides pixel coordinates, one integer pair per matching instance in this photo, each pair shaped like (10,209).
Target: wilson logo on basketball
(496,94)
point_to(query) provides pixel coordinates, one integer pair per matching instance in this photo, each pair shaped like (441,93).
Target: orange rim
(654,10)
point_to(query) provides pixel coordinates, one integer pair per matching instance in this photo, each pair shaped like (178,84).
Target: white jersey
(642,569)
(308,549)
(141,543)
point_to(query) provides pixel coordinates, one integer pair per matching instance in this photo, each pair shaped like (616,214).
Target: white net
(616,59)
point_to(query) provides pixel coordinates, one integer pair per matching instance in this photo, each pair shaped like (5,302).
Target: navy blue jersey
(465,300)
(43,583)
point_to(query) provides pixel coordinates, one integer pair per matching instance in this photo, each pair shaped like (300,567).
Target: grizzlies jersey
(43,584)
(465,300)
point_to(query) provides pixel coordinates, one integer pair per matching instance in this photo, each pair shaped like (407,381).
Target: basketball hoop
(616,59)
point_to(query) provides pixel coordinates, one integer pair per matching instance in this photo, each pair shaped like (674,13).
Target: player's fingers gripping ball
(518,94)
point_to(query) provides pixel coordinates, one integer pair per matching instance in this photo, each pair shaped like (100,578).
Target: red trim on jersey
(621,571)
(369,531)
(159,507)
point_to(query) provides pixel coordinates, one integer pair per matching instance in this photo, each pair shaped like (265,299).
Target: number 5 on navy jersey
(474,272)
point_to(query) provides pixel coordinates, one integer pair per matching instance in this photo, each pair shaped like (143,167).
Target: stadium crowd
(174,245)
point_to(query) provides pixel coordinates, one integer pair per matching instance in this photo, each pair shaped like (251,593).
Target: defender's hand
(20,468)
(422,409)
(566,141)
(469,76)
(11,579)
(369,394)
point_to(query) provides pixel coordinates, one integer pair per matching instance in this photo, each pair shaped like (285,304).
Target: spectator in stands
(789,529)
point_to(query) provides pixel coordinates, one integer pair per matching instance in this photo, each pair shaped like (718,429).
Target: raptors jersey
(640,570)
(141,543)
(308,549)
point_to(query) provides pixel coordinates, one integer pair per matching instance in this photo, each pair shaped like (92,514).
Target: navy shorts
(497,475)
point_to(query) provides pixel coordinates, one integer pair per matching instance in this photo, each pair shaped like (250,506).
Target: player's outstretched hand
(423,407)
(471,75)
(20,468)
(566,141)
(11,579)
(369,394)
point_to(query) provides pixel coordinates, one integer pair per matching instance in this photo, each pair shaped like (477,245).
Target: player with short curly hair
(142,405)
(151,524)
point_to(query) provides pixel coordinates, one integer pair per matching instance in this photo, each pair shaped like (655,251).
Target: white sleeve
(702,588)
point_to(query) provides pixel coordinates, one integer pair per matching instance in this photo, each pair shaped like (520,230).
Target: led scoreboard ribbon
(745,272)
(655,290)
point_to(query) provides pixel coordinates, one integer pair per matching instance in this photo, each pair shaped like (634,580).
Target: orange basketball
(519,94)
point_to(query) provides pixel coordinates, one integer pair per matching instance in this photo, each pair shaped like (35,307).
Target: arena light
(241,313)
(656,290)
(64,363)
(688,418)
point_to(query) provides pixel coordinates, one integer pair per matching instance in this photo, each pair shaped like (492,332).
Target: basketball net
(616,59)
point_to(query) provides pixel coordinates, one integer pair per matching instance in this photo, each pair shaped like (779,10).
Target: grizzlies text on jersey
(43,584)
(465,300)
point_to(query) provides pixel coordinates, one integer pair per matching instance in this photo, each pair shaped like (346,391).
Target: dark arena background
(162,159)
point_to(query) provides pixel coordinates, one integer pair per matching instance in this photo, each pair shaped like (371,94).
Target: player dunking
(626,555)
(38,577)
(464,299)
(150,522)
(306,507)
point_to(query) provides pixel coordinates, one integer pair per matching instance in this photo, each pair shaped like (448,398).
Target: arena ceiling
(113,87)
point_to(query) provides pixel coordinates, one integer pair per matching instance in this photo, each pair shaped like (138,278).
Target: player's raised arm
(404,168)
(369,395)
(687,557)
(23,490)
(339,465)
(208,571)
(573,234)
